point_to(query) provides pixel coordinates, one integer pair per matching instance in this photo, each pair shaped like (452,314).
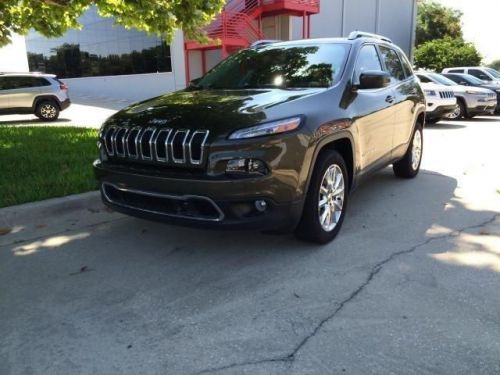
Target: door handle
(389,99)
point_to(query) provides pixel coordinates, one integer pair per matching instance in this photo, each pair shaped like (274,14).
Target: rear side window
(479,74)
(11,83)
(406,65)
(367,60)
(392,63)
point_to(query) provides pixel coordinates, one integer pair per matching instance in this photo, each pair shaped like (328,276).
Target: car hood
(220,111)
(470,89)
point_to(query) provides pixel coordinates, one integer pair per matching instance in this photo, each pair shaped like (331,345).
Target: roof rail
(361,34)
(264,42)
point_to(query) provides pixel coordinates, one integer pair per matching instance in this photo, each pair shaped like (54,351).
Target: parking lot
(410,286)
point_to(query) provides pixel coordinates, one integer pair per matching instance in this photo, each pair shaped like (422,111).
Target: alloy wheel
(48,111)
(331,198)
(416,149)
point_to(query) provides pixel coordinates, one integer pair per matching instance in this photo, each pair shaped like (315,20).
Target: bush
(444,53)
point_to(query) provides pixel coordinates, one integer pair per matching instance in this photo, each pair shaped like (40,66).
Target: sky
(480,24)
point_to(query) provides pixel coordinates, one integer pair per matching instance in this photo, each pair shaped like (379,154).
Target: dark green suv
(273,138)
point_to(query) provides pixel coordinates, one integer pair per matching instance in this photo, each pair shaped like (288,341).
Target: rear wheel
(47,110)
(409,165)
(326,200)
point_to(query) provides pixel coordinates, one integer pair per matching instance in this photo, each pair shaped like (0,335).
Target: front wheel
(459,112)
(409,165)
(326,200)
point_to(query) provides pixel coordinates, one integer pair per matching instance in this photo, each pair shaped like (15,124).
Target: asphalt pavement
(410,286)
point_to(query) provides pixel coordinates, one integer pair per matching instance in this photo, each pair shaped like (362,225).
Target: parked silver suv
(33,93)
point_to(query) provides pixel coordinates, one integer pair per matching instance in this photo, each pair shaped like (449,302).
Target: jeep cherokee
(33,93)
(273,138)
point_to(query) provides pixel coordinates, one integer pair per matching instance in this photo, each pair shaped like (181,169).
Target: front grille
(179,206)
(183,147)
(446,94)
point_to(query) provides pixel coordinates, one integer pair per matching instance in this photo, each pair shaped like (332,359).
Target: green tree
(443,53)
(495,65)
(435,21)
(52,18)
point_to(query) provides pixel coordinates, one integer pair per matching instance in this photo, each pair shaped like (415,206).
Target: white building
(106,60)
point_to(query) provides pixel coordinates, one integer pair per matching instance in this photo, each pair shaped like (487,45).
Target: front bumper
(477,105)
(201,203)
(440,111)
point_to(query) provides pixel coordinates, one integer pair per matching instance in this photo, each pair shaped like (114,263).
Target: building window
(100,48)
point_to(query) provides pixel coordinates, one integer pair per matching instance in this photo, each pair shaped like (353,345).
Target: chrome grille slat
(199,160)
(172,143)
(148,133)
(181,147)
(168,132)
(108,140)
(135,130)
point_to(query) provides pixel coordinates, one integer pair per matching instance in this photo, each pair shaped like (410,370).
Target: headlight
(430,92)
(276,127)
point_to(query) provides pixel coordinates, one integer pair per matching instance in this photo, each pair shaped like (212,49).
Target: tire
(47,110)
(408,167)
(325,197)
(459,113)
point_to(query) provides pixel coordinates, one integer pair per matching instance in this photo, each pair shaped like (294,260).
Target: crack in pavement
(373,272)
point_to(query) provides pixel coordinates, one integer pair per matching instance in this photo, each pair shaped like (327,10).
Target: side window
(456,71)
(479,74)
(37,82)
(406,65)
(367,60)
(8,83)
(423,79)
(392,63)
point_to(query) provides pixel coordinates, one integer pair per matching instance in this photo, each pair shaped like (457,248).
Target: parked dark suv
(273,138)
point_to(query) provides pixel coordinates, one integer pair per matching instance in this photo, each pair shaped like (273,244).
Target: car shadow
(34,121)
(444,125)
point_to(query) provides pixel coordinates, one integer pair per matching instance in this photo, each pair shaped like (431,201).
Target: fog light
(246,167)
(261,205)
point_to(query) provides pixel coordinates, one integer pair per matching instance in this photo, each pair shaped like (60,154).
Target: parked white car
(441,101)
(488,75)
(471,101)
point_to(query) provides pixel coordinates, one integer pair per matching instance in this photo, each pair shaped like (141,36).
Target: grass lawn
(40,162)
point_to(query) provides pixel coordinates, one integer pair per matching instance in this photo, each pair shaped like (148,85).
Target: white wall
(13,57)
(126,87)
(392,18)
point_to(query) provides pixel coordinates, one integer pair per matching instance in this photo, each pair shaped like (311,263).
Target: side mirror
(374,80)
(463,83)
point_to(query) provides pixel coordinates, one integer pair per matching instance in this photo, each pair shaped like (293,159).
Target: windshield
(284,67)
(442,79)
(493,72)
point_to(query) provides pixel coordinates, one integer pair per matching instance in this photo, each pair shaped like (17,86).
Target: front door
(375,108)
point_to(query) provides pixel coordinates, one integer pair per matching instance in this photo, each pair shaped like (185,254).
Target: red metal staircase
(240,24)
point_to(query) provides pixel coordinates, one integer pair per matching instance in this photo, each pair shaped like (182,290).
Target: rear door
(4,94)
(375,110)
(24,91)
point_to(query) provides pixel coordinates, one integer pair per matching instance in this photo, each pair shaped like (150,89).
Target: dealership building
(106,60)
